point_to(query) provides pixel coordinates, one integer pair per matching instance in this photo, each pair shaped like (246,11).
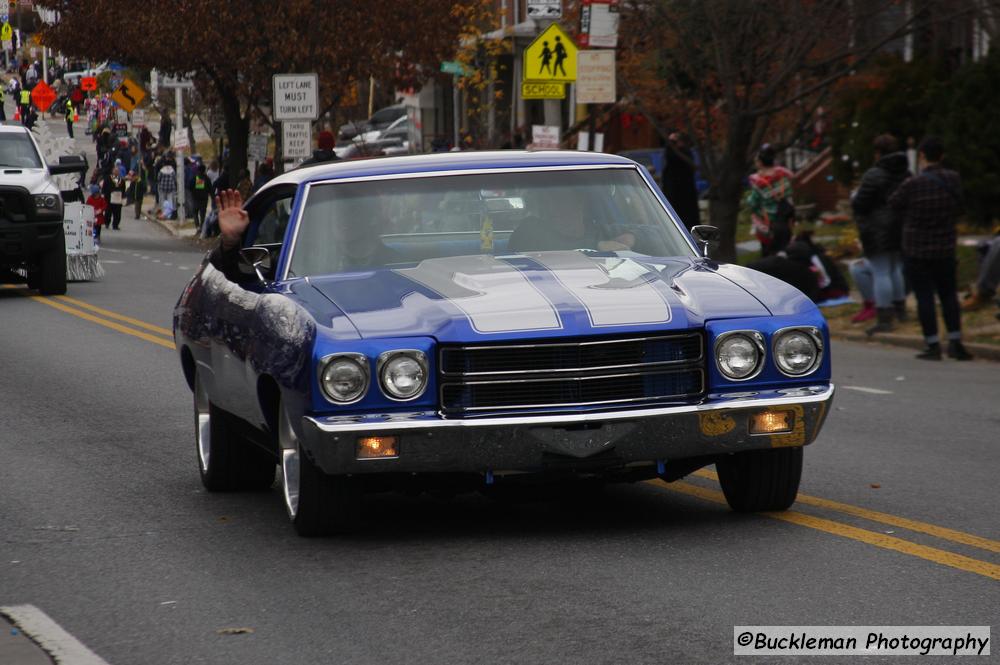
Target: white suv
(31,212)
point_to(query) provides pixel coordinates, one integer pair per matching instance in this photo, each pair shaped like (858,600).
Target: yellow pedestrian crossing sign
(6,32)
(551,57)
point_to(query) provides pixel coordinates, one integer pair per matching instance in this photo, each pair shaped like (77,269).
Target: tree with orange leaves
(232,48)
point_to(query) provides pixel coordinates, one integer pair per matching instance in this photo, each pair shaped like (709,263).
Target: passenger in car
(359,240)
(561,220)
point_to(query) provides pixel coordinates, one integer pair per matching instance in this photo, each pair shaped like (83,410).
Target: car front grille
(476,379)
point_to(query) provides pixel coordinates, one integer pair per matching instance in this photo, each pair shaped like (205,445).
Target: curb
(168,225)
(980,351)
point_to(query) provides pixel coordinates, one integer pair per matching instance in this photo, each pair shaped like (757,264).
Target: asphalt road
(107,530)
(104,525)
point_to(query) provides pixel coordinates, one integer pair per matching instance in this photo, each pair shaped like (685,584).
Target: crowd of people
(907,228)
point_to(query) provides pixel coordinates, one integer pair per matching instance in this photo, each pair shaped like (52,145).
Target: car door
(235,376)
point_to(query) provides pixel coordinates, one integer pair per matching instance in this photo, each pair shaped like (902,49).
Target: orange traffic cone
(17,113)
(76,117)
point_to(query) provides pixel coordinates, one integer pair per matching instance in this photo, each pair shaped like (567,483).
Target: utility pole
(179,127)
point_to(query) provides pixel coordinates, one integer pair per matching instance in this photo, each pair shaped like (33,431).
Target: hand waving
(233,219)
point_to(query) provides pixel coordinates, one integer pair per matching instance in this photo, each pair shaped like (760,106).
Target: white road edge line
(870,391)
(63,647)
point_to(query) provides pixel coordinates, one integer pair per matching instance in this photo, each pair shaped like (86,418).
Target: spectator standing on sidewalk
(678,181)
(167,187)
(929,205)
(770,201)
(114,193)
(880,231)
(166,127)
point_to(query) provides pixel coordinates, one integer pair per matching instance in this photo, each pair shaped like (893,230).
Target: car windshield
(17,150)
(375,223)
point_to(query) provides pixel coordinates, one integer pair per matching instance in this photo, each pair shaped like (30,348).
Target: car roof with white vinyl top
(446,161)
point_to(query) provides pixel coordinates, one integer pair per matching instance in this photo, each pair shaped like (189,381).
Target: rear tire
(761,480)
(226,461)
(51,279)
(317,503)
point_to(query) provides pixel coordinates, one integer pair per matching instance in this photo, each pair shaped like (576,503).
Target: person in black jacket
(678,179)
(880,230)
(325,143)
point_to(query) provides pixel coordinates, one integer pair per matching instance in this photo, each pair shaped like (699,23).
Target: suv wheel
(226,461)
(318,504)
(51,271)
(761,480)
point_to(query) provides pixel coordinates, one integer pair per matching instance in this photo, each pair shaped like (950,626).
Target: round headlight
(345,378)
(739,355)
(403,374)
(796,352)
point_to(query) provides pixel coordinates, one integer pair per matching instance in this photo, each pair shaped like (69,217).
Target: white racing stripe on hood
(493,295)
(614,291)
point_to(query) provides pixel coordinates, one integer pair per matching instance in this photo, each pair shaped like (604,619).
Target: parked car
(479,320)
(73,78)
(379,120)
(31,212)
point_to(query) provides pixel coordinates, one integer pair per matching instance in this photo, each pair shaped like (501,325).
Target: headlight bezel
(46,201)
(387,357)
(814,334)
(360,360)
(756,338)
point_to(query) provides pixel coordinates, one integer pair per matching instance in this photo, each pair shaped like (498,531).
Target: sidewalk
(980,330)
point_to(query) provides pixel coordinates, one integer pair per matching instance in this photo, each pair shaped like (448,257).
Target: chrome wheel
(202,423)
(290,464)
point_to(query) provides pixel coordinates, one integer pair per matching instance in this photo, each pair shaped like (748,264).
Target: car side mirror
(707,236)
(255,260)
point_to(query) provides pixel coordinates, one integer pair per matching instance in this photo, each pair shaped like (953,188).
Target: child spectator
(97,202)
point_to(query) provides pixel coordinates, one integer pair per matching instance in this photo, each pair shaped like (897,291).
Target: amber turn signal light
(772,421)
(377,447)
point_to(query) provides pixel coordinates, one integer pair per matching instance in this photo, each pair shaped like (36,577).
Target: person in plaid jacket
(929,205)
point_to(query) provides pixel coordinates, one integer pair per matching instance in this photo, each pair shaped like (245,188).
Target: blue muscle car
(480,320)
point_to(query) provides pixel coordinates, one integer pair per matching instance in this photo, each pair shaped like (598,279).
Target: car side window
(271,221)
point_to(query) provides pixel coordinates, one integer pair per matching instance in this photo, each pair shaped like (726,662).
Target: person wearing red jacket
(97,202)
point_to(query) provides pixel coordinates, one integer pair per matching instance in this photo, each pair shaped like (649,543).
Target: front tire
(317,503)
(761,480)
(51,271)
(226,461)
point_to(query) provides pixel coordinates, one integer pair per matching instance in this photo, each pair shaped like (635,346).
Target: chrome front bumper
(430,444)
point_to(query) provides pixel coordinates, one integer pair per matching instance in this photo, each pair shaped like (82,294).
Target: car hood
(35,181)
(546,294)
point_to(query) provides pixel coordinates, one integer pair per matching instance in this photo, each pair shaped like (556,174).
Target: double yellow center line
(104,317)
(164,337)
(882,540)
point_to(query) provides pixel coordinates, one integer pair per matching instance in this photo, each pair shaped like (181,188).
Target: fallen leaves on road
(234,631)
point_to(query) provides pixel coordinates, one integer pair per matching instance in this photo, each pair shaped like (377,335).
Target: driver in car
(358,239)
(562,221)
